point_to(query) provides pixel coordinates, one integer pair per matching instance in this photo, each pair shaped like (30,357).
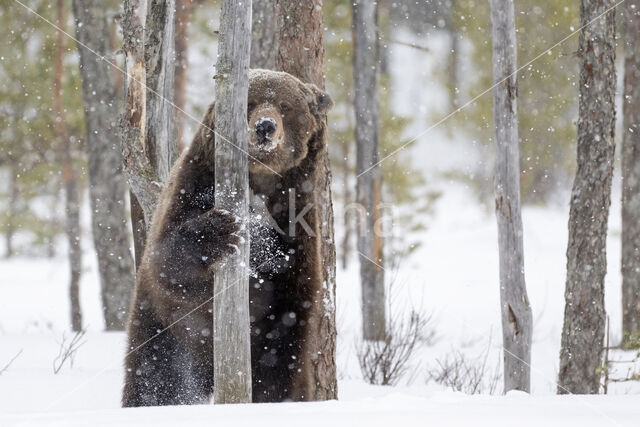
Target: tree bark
(159,46)
(301,53)
(264,34)
(631,176)
(368,185)
(72,205)
(183,11)
(106,184)
(231,329)
(514,303)
(149,145)
(584,314)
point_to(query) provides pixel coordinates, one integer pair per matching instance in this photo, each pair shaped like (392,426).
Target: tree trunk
(106,183)
(584,314)
(368,185)
(142,180)
(452,66)
(514,303)
(264,34)
(72,205)
(231,329)
(12,209)
(160,139)
(631,177)
(183,11)
(301,53)
(149,145)
(346,188)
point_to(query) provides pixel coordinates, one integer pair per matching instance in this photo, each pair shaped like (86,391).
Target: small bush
(385,362)
(470,376)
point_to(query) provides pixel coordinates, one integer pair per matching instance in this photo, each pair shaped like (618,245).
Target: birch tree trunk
(584,314)
(72,204)
(231,329)
(514,303)
(368,184)
(106,184)
(631,177)
(301,53)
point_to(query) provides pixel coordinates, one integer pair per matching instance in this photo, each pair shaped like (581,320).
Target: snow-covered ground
(453,276)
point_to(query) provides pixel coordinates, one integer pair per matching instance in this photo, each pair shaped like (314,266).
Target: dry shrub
(385,362)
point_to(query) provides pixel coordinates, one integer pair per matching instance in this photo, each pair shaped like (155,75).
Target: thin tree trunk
(264,34)
(584,314)
(631,177)
(142,180)
(106,184)
(384,37)
(183,11)
(12,209)
(514,303)
(231,329)
(72,205)
(368,185)
(452,68)
(346,187)
(149,145)
(301,53)
(160,138)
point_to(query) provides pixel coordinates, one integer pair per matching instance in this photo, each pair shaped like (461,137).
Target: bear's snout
(265,128)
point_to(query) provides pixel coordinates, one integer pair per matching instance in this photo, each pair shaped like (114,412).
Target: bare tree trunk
(514,303)
(149,145)
(346,186)
(160,139)
(452,66)
(12,210)
(384,37)
(144,191)
(264,34)
(301,53)
(72,205)
(368,185)
(631,176)
(183,11)
(231,330)
(584,314)
(107,186)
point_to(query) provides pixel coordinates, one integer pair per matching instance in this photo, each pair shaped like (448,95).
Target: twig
(6,367)
(68,350)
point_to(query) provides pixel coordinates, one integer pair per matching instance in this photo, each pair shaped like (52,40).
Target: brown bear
(170,348)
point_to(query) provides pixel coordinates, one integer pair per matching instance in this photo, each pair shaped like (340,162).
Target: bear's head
(284,117)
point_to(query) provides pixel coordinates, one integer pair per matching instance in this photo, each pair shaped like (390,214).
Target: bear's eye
(251,106)
(284,107)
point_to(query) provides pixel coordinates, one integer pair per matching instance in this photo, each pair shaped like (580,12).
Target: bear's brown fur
(170,346)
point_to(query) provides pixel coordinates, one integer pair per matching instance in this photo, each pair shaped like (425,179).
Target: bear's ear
(323,101)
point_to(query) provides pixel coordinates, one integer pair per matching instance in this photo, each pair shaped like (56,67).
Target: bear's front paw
(223,235)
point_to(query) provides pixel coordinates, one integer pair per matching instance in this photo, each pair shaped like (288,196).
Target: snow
(453,276)
(390,409)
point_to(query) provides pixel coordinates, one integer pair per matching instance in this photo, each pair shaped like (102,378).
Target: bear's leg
(275,345)
(158,370)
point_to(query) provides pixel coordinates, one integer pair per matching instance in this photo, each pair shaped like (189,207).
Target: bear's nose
(265,127)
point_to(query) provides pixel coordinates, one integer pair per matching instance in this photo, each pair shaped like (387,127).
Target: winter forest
(409,212)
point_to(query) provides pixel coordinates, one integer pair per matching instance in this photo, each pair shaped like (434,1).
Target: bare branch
(6,367)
